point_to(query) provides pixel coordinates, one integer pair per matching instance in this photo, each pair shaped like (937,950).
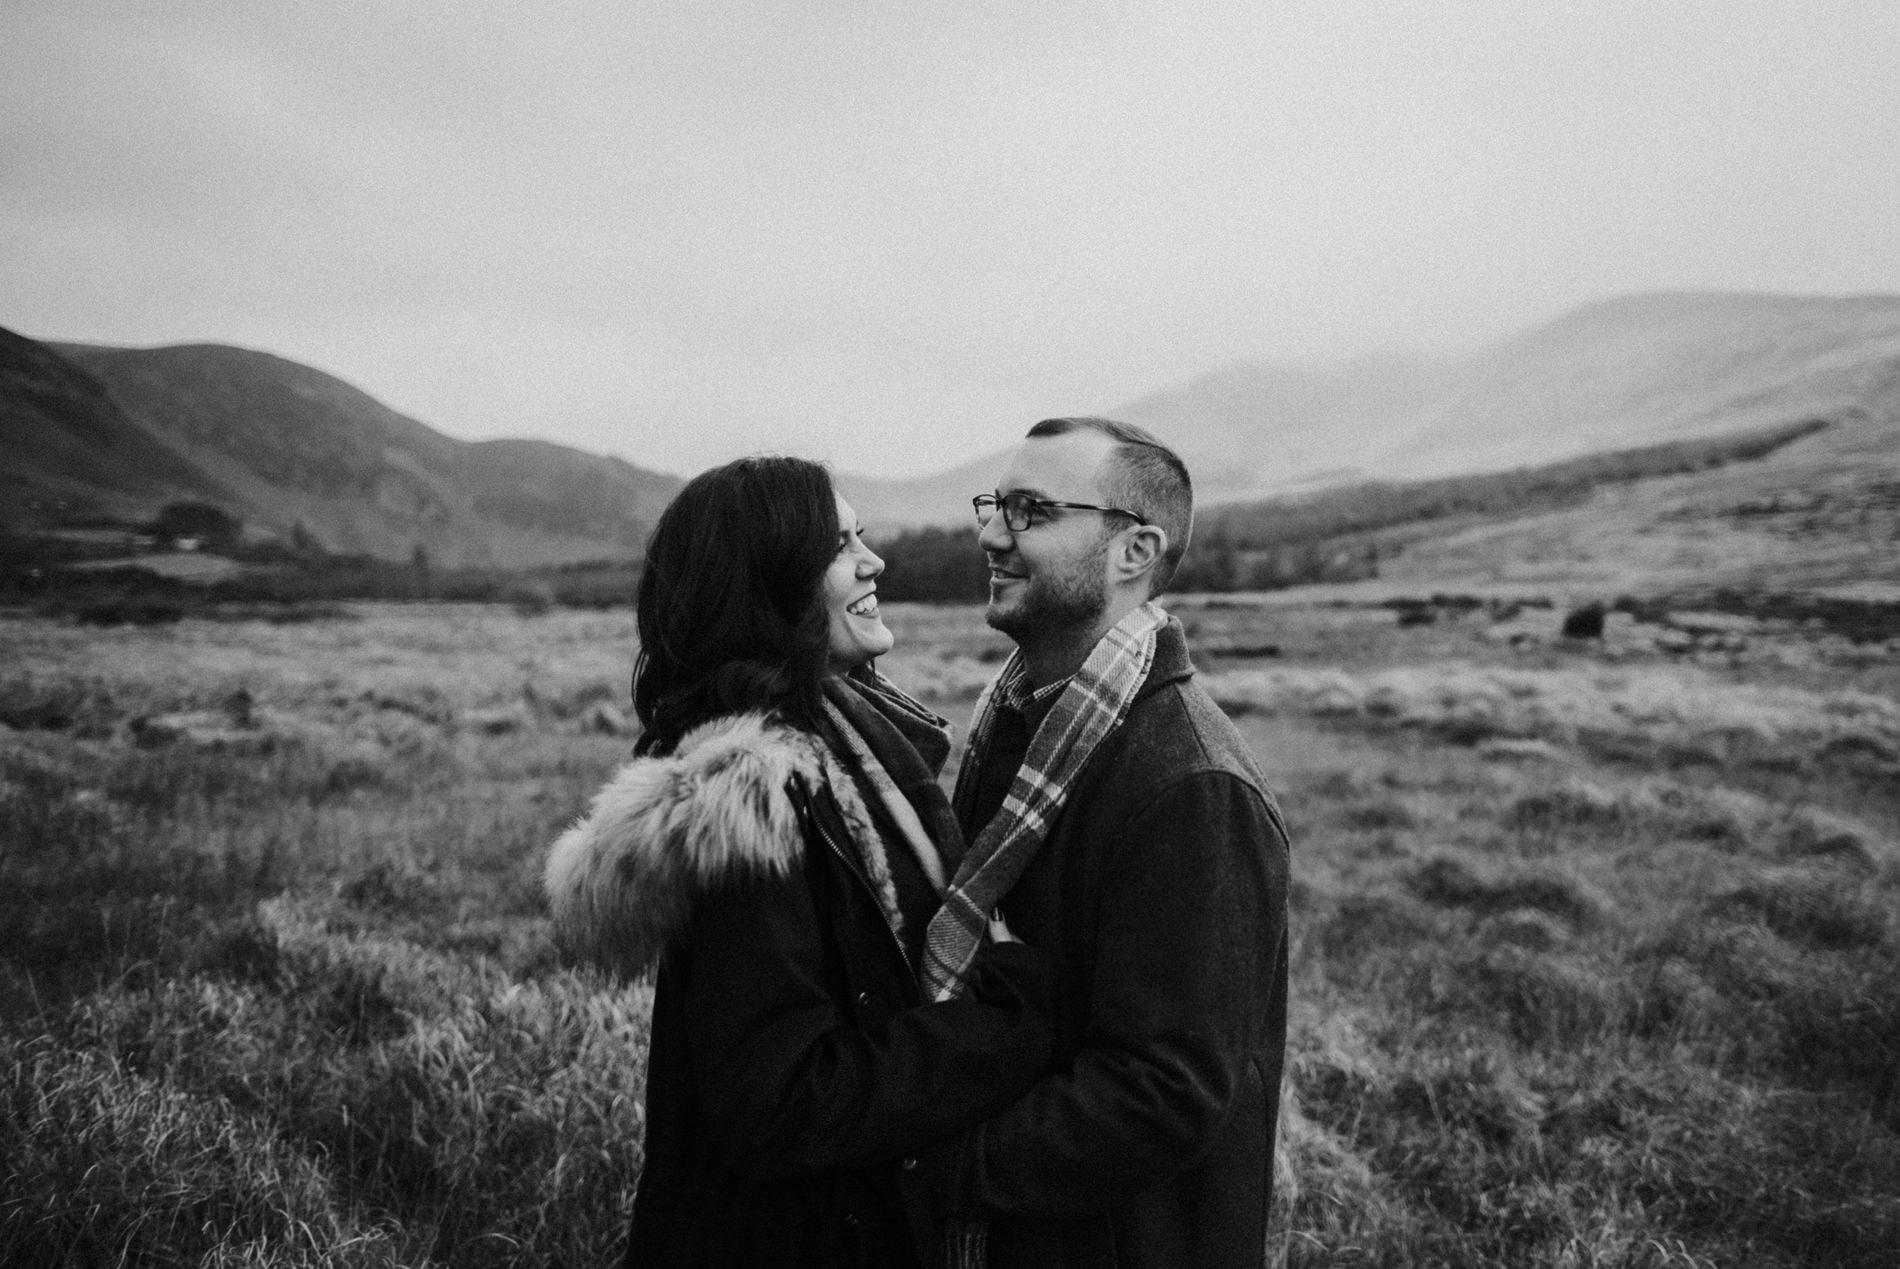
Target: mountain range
(1624,373)
(102,433)
(114,433)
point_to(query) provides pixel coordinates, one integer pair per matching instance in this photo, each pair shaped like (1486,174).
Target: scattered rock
(202,729)
(239,709)
(1245,651)
(1715,623)
(1335,698)
(1515,749)
(500,721)
(1584,623)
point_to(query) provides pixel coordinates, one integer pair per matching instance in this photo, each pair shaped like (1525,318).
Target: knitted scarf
(1089,708)
(1093,705)
(890,747)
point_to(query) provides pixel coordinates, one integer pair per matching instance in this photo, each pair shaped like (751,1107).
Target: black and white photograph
(1260,634)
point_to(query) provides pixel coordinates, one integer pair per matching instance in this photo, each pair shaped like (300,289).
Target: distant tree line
(1338,535)
(66,575)
(933,566)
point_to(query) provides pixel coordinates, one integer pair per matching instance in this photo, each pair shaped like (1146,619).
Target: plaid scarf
(1090,707)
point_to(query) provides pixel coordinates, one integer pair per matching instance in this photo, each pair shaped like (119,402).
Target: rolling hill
(1622,374)
(68,445)
(116,432)
(1646,369)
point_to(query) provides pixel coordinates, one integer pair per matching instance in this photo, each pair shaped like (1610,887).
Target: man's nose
(995,536)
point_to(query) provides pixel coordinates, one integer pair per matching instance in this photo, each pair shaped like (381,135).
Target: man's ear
(1138,554)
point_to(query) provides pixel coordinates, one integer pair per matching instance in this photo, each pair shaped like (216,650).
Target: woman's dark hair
(729,606)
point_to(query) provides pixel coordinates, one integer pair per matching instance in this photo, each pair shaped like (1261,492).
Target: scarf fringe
(966,1245)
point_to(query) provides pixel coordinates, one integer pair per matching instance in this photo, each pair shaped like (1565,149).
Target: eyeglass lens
(1016,509)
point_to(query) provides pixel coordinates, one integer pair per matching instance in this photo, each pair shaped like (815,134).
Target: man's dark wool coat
(1162,888)
(792,1077)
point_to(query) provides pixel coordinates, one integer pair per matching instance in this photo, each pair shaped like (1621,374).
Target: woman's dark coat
(793,1075)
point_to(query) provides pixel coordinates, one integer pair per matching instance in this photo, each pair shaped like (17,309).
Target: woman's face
(857,632)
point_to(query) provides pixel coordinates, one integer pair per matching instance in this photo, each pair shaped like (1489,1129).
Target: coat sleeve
(794,1081)
(1190,930)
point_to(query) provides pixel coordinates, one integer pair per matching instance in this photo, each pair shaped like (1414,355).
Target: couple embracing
(1037,1023)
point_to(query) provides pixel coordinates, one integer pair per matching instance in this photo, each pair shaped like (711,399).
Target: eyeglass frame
(1000,502)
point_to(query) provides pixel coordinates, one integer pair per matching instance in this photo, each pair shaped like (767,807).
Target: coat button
(910,1163)
(864,1000)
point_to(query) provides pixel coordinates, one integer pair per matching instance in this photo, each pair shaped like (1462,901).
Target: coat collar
(620,882)
(1172,663)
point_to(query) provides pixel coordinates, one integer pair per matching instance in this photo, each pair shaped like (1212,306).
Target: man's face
(1051,577)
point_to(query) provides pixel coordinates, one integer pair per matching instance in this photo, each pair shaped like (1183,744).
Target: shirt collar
(1170,664)
(1019,696)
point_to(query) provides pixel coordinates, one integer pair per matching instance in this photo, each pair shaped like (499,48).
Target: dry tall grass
(1595,959)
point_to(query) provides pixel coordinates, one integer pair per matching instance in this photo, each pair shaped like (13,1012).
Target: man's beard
(1071,600)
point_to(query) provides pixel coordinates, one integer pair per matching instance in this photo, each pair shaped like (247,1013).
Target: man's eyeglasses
(1020,510)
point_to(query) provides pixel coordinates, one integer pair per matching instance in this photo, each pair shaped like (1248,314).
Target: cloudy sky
(892,234)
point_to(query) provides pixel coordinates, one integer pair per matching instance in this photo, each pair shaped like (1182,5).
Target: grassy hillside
(1629,374)
(1821,512)
(1814,503)
(1647,369)
(288,448)
(70,450)
(1407,530)
(1262,425)
(1593,940)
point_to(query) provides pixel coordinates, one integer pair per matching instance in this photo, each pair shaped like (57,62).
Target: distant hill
(886,506)
(71,451)
(1244,430)
(121,430)
(118,432)
(1623,374)
(1264,426)
(1646,369)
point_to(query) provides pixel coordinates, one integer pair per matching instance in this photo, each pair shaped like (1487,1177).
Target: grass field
(1596,942)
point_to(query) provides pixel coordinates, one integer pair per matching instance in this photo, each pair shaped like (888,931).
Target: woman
(776,848)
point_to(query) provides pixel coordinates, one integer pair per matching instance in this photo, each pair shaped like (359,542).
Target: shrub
(1457,880)
(1821,908)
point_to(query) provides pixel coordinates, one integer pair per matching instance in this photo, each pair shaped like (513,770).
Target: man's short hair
(1145,476)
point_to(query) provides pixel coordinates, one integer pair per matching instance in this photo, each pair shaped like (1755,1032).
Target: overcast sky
(893,234)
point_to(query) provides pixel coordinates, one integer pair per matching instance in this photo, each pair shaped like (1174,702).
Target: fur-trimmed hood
(621,882)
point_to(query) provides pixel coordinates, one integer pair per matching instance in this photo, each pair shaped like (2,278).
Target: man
(1123,824)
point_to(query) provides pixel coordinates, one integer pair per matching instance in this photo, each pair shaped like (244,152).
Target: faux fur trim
(621,882)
